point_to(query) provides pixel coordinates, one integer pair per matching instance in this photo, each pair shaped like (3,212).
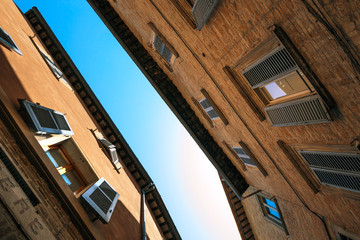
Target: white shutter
(45,120)
(102,199)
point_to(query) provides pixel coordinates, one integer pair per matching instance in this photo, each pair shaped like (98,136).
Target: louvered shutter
(102,199)
(209,109)
(202,10)
(243,156)
(162,49)
(45,120)
(273,65)
(112,150)
(335,169)
(306,110)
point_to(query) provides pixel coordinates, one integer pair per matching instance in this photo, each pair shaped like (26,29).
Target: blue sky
(190,185)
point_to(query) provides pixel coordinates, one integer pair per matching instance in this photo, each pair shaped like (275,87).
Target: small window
(111,152)
(209,109)
(7,41)
(66,168)
(271,210)
(162,49)
(53,66)
(102,199)
(243,156)
(45,120)
(337,169)
(287,93)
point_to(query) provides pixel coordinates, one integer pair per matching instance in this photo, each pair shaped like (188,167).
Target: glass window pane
(44,117)
(271,211)
(61,121)
(57,157)
(288,85)
(73,180)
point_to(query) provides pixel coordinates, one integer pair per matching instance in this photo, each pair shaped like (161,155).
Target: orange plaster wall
(29,77)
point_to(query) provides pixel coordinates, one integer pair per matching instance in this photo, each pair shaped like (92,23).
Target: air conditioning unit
(102,199)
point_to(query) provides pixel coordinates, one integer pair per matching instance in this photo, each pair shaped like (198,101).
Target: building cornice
(170,94)
(104,122)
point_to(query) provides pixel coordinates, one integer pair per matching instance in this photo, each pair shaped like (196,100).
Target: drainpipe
(144,191)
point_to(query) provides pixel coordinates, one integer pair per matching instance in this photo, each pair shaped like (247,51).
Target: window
(341,234)
(7,41)
(209,109)
(102,198)
(111,152)
(162,49)
(243,156)
(202,11)
(184,7)
(66,168)
(337,169)
(290,96)
(53,66)
(45,120)
(271,211)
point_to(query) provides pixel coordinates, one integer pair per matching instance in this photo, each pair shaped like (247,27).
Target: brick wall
(234,29)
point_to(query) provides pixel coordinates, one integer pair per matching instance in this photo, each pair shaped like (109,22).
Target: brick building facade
(270,91)
(66,172)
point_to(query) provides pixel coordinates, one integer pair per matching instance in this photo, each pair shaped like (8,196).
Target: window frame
(184,7)
(208,109)
(292,152)
(338,231)
(8,44)
(267,215)
(36,124)
(157,34)
(317,93)
(71,166)
(86,197)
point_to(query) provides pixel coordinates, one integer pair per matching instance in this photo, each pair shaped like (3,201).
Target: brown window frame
(184,7)
(292,152)
(157,34)
(248,152)
(267,215)
(257,101)
(71,166)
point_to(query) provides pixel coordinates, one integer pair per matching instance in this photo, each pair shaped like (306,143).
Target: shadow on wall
(122,225)
(9,81)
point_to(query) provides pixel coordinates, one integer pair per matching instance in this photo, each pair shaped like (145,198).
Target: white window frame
(104,217)
(43,130)
(10,45)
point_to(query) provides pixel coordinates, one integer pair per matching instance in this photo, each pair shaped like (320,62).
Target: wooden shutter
(45,120)
(273,65)
(202,10)
(102,199)
(334,168)
(301,111)
(8,42)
